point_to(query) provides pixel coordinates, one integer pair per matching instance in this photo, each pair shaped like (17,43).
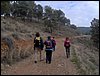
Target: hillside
(85,56)
(13,26)
(17,35)
(17,50)
(84,30)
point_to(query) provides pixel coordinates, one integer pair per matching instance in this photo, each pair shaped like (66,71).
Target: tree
(48,25)
(38,10)
(5,7)
(73,26)
(30,11)
(48,11)
(24,9)
(48,18)
(14,8)
(95,31)
(19,8)
(56,17)
(67,22)
(59,17)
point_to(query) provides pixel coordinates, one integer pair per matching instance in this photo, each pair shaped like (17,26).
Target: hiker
(38,46)
(53,43)
(67,47)
(48,49)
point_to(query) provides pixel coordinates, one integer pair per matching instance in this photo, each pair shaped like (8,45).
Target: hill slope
(10,25)
(16,35)
(17,45)
(84,30)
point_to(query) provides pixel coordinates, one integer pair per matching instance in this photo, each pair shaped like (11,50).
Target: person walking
(48,49)
(67,46)
(38,46)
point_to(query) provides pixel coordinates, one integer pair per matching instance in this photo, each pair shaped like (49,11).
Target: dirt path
(60,65)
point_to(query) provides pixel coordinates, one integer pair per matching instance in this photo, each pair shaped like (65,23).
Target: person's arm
(34,40)
(64,43)
(69,43)
(34,43)
(55,42)
(42,44)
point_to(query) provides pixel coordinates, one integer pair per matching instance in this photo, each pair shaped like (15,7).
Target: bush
(16,36)
(9,42)
(8,49)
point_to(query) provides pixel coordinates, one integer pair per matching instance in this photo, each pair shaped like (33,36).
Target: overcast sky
(80,13)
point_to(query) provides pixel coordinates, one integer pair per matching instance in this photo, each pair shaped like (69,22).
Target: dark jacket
(38,46)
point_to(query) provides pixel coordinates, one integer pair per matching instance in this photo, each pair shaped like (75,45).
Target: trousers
(36,51)
(48,56)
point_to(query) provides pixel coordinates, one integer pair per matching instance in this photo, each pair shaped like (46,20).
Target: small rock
(4,72)
(7,65)
(59,65)
(2,66)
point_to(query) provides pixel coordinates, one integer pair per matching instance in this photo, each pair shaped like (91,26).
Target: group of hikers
(50,45)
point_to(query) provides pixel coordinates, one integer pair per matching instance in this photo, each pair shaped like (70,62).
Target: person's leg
(47,56)
(68,51)
(40,51)
(35,55)
(54,48)
(50,56)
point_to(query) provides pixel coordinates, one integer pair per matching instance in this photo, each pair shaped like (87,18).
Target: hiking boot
(46,61)
(67,56)
(49,62)
(35,61)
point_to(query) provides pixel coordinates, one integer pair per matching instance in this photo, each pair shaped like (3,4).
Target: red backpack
(54,42)
(67,43)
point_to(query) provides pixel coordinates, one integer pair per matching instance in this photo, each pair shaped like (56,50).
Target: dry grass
(88,57)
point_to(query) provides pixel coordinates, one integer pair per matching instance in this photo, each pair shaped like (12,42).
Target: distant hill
(84,30)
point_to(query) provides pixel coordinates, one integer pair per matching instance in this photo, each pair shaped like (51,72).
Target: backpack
(54,42)
(67,43)
(48,44)
(37,41)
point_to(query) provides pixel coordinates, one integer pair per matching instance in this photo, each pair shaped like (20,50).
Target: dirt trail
(60,65)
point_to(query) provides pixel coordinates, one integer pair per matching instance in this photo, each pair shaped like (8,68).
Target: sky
(80,13)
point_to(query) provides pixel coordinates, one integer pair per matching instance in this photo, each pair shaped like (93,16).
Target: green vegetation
(87,42)
(29,10)
(87,57)
(77,62)
(5,7)
(95,32)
